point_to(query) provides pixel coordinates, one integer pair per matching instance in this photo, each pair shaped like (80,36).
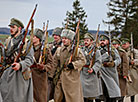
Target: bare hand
(125,77)
(90,70)
(132,62)
(16,66)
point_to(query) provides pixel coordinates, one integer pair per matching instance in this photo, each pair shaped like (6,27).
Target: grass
(3,37)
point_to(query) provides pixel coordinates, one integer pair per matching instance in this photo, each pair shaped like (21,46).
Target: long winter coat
(69,84)
(132,88)
(123,71)
(110,74)
(13,87)
(90,81)
(40,84)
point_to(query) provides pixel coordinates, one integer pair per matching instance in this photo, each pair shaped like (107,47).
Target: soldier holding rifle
(90,74)
(132,88)
(16,81)
(68,85)
(40,70)
(122,68)
(109,74)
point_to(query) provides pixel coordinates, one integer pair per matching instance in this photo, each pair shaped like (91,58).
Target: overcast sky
(52,10)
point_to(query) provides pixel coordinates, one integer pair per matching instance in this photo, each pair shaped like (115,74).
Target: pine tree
(123,16)
(74,16)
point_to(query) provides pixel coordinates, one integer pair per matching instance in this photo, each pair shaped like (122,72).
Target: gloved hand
(70,65)
(40,66)
(49,78)
(109,64)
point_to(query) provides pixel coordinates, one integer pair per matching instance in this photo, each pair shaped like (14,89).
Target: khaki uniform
(68,86)
(132,88)
(123,71)
(40,84)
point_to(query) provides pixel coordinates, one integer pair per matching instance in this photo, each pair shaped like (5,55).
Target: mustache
(102,43)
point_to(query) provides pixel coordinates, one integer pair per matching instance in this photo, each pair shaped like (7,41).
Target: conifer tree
(73,17)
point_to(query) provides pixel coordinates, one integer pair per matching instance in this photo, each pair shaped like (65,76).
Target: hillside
(6,31)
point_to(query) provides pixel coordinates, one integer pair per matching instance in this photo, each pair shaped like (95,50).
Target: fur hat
(68,34)
(39,33)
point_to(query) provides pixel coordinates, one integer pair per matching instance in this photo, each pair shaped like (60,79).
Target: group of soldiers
(99,70)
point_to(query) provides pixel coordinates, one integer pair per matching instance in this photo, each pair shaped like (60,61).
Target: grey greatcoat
(13,87)
(90,81)
(110,74)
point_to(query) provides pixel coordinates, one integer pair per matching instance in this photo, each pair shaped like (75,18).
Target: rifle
(43,26)
(74,43)
(95,48)
(132,48)
(44,46)
(26,30)
(67,23)
(109,45)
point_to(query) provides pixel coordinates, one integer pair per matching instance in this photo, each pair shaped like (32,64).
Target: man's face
(116,45)
(104,42)
(14,30)
(66,41)
(87,42)
(36,41)
(126,45)
(56,38)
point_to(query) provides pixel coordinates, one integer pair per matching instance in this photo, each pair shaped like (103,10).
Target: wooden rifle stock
(45,44)
(96,45)
(43,26)
(77,29)
(66,27)
(43,47)
(26,30)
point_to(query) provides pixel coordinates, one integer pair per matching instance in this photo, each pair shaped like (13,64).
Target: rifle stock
(44,46)
(132,49)
(73,45)
(96,46)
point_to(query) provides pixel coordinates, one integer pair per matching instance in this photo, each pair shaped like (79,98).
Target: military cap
(88,36)
(39,33)
(116,41)
(68,34)
(57,31)
(16,22)
(125,40)
(104,37)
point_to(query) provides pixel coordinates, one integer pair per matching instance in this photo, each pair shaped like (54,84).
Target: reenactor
(109,74)
(67,78)
(57,40)
(132,54)
(122,68)
(2,56)
(16,82)
(90,76)
(41,67)
(53,47)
